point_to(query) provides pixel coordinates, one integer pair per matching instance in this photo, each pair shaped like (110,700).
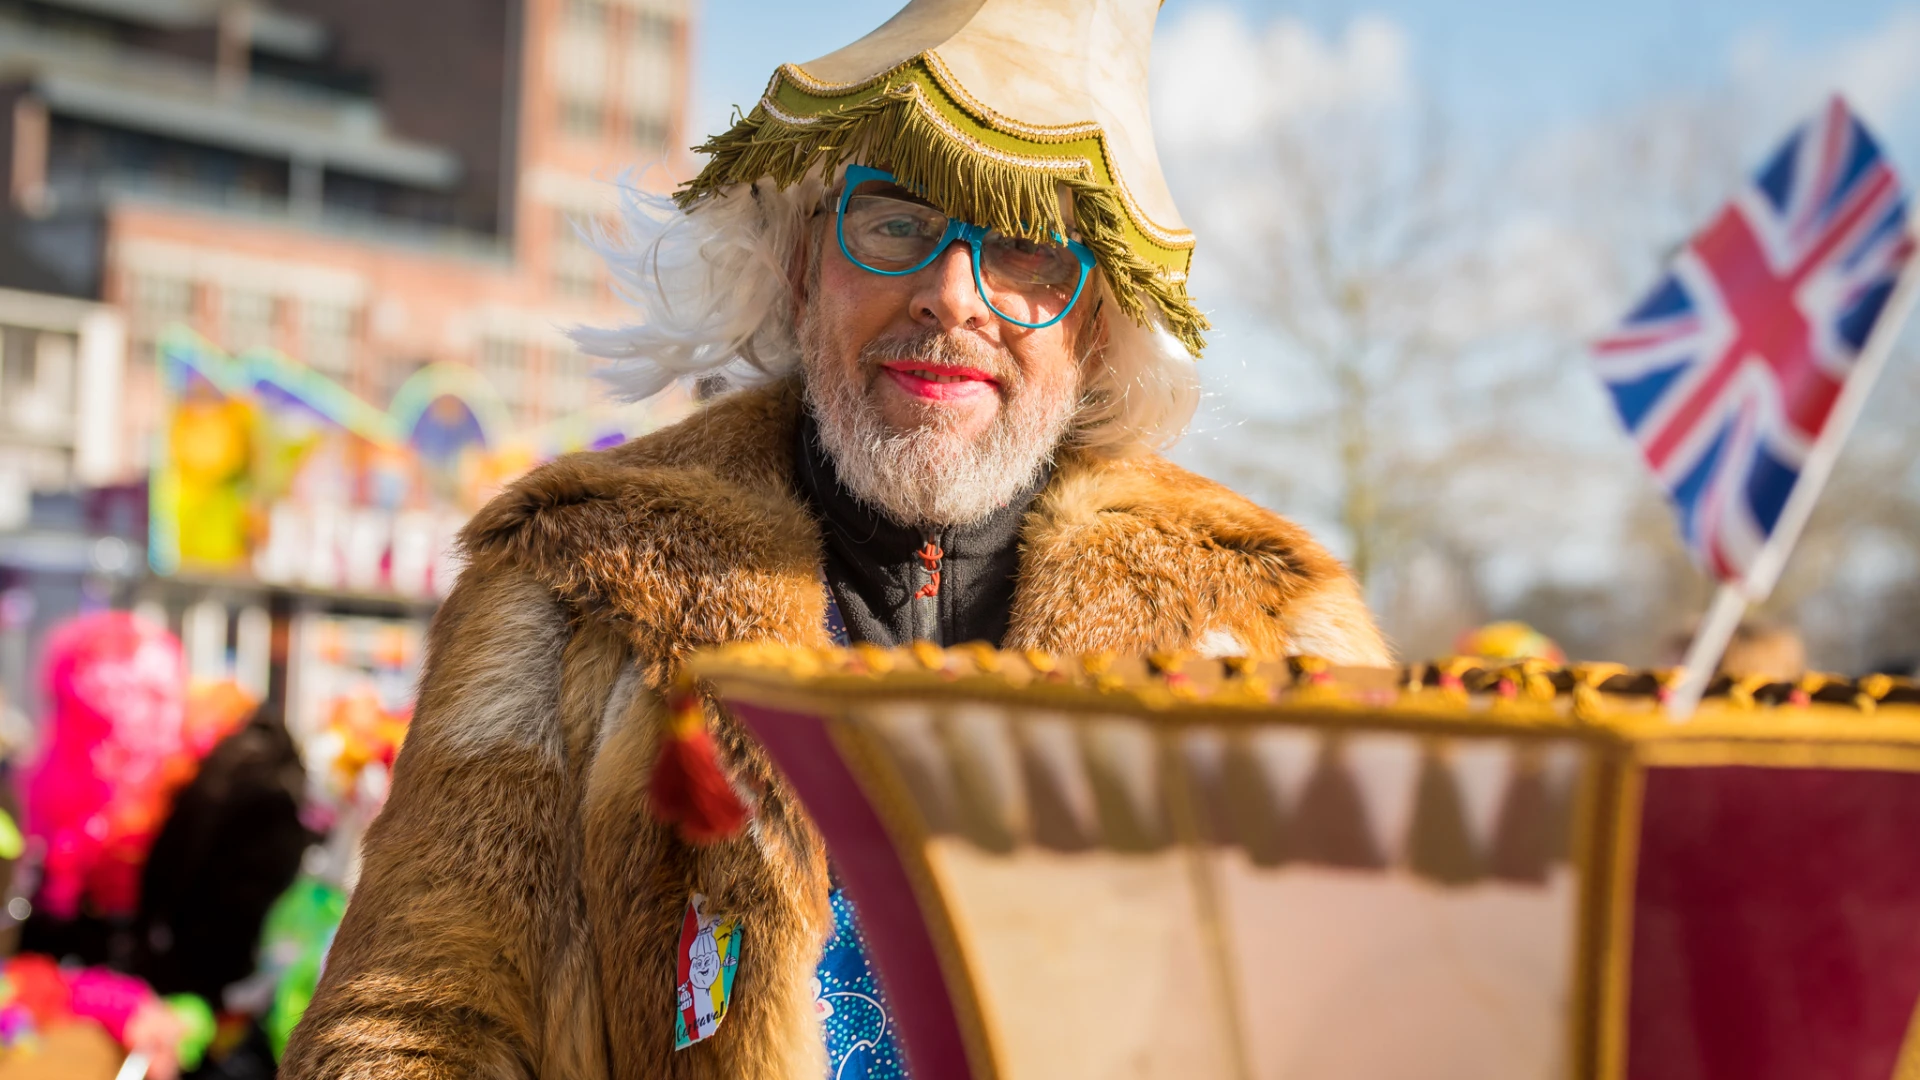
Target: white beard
(928,475)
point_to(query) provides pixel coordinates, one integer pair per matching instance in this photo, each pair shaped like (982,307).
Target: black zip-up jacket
(896,584)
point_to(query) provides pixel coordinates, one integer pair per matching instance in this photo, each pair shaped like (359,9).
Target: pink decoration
(98,793)
(110,998)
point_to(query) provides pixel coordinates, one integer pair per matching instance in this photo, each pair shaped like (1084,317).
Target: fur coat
(518,909)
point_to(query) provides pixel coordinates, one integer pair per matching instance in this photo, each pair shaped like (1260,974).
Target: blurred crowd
(174,864)
(1759,648)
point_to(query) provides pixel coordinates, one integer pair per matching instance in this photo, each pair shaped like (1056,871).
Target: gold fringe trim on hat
(897,128)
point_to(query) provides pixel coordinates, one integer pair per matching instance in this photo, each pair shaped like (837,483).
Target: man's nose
(945,294)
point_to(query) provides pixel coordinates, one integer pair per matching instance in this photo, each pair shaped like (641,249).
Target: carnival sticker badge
(708,954)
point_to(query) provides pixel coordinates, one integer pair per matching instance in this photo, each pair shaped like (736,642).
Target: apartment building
(370,187)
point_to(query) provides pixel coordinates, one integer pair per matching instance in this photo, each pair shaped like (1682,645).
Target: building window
(246,320)
(571,387)
(668,12)
(579,59)
(155,303)
(19,364)
(655,26)
(583,118)
(648,73)
(37,380)
(576,266)
(327,337)
(82,156)
(649,132)
(587,15)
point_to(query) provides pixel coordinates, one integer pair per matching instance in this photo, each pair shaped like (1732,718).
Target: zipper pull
(930,556)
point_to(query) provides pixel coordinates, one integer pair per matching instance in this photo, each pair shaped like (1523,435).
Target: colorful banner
(267,469)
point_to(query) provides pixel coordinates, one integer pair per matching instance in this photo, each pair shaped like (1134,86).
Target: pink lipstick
(939,382)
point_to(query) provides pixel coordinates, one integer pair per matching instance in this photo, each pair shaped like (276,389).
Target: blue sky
(1524,62)
(1510,68)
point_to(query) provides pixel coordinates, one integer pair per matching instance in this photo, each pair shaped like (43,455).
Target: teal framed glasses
(883,229)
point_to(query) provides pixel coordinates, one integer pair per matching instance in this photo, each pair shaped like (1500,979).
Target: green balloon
(298,931)
(196,1016)
(12,844)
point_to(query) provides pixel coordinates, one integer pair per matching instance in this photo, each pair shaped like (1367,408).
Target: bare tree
(1642,183)
(1409,382)
(1425,391)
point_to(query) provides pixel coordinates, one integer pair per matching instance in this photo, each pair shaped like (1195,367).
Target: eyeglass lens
(886,229)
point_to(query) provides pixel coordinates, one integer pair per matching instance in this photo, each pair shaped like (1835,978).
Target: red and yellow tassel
(690,789)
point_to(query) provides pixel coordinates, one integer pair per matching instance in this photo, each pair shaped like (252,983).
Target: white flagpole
(1730,602)
(1709,644)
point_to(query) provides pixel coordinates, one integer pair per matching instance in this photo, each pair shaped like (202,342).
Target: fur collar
(693,536)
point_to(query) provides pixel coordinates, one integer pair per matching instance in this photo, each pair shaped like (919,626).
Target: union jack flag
(1727,371)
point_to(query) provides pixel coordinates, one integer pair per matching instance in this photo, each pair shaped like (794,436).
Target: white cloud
(1217,79)
(1878,71)
(1535,271)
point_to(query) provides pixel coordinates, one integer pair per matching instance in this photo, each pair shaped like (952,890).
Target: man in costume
(945,267)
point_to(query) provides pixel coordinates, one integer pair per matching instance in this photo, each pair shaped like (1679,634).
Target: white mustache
(942,350)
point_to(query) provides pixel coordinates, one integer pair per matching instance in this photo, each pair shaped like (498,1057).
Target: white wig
(712,289)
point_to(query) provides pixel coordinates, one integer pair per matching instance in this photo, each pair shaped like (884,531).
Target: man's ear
(1091,338)
(800,262)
